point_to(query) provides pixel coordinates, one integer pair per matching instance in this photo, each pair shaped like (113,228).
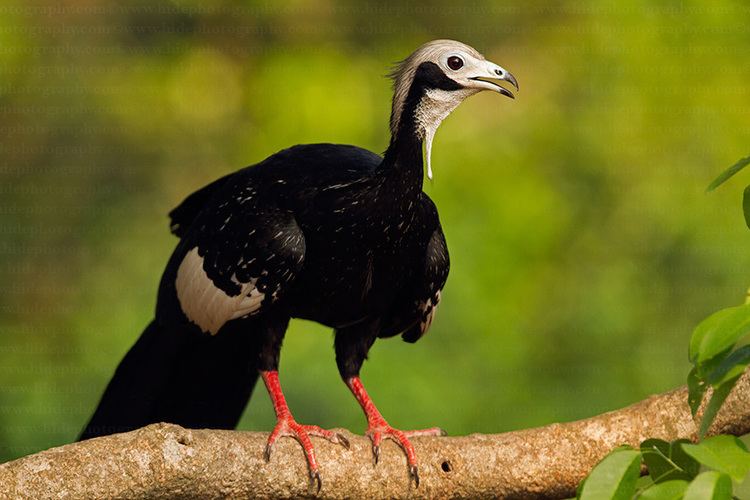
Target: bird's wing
(183,215)
(415,309)
(241,254)
(430,286)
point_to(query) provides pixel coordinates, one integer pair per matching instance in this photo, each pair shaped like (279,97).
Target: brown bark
(168,461)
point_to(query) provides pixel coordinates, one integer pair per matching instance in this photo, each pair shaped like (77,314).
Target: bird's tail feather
(182,376)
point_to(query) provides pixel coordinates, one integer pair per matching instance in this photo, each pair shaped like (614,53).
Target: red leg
(287,426)
(378,428)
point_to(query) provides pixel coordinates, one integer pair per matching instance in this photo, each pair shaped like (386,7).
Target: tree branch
(164,460)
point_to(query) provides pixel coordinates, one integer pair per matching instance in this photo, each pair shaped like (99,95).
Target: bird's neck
(402,163)
(403,160)
(419,116)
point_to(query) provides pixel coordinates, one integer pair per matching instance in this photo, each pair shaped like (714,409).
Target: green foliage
(714,404)
(673,470)
(730,367)
(746,205)
(668,461)
(723,453)
(711,485)
(715,363)
(674,467)
(715,335)
(614,478)
(668,490)
(725,175)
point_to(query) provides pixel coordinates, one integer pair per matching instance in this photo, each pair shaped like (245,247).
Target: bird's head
(435,79)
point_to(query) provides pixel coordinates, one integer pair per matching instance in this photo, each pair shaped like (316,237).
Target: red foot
(287,426)
(378,429)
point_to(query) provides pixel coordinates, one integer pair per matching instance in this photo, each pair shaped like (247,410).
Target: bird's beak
(488,77)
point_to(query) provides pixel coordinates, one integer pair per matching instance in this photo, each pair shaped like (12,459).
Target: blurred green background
(583,246)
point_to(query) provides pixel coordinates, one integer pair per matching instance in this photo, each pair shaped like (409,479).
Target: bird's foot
(287,426)
(379,429)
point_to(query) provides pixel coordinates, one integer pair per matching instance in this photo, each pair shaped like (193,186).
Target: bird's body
(349,239)
(330,233)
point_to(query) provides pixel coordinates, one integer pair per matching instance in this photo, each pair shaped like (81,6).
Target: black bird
(330,233)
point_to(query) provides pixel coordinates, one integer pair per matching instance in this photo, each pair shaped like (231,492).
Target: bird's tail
(182,376)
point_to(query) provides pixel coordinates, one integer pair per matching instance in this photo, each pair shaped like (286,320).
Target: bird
(331,233)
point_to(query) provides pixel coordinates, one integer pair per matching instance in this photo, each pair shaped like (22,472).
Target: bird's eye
(455,63)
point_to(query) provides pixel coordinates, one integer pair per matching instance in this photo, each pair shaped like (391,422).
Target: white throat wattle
(431,111)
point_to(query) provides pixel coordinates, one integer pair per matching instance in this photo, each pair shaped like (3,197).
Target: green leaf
(726,174)
(724,453)
(707,367)
(669,490)
(718,333)
(714,404)
(614,477)
(730,367)
(668,461)
(746,205)
(710,485)
(696,390)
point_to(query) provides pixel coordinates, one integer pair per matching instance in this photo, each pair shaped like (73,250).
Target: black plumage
(330,233)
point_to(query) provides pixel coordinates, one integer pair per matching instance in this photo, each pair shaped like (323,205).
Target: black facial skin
(430,76)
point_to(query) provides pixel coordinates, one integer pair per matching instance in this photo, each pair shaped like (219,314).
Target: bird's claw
(315,478)
(287,426)
(340,439)
(414,474)
(380,430)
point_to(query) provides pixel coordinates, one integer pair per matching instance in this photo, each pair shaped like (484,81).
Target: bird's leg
(378,428)
(268,365)
(352,345)
(287,426)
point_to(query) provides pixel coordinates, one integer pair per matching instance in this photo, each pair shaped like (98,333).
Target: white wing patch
(428,309)
(207,305)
